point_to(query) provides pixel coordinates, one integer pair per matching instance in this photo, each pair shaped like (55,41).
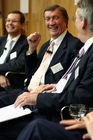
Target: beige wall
(34,20)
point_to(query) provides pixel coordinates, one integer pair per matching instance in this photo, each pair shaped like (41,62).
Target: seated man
(75,86)
(12,51)
(77,90)
(65,48)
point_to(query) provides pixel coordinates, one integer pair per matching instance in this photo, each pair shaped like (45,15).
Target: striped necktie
(62,82)
(73,65)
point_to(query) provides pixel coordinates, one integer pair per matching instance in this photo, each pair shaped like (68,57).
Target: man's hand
(88,120)
(33,41)
(48,88)
(25,99)
(73,124)
(30,98)
(4,82)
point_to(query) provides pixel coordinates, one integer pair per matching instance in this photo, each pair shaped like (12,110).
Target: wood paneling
(9,5)
(1,26)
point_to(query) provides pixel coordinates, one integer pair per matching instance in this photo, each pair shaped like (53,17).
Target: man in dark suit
(56,20)
(13,61)
(65,48)
(79,88)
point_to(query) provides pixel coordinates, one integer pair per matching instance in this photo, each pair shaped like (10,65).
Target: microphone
(5,48)
(50,52)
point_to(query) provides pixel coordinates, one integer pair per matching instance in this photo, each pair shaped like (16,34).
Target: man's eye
(55,17)
(47,19)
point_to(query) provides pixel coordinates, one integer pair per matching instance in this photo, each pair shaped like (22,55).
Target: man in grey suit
(13,60)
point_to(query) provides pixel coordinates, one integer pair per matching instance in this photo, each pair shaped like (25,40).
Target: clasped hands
(30,98)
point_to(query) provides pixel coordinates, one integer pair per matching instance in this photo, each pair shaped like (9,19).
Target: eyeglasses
(12,20)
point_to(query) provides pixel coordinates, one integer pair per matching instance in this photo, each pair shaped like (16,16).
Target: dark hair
(61,9)
(22,17)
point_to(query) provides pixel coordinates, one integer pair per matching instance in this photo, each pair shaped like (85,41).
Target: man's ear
(84,23)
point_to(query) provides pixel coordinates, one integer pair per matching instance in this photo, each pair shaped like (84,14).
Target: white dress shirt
(55,48)
(7,50)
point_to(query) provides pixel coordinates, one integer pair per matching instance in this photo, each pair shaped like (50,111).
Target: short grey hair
(86,11)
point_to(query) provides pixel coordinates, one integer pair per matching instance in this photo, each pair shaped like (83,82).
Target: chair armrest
(10,72)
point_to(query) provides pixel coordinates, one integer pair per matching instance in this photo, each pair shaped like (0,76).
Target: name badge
(13,55)
(56,68)
(76,72)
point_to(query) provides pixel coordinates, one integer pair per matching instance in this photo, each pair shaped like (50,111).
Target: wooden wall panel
(1,26)
(9,5)
(36,16)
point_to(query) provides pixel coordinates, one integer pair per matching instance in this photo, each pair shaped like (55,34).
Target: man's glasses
(12,20)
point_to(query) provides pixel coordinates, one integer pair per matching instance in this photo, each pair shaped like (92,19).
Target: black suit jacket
(17,64)
(64,55)
(77,90)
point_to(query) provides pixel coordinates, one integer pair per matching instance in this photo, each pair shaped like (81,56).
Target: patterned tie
(74,63)
(36,78)
(62,82)
(6,52)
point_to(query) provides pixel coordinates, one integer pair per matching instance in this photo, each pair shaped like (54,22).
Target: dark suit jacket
(77,90)
(17,64)
(64,55)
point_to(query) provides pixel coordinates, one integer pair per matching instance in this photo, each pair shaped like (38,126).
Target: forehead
(14,16)
(53,13)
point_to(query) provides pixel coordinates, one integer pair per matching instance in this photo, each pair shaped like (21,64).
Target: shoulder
(2,38)
(71,38)
(44,46)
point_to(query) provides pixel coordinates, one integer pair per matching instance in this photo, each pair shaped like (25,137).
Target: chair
(16,79)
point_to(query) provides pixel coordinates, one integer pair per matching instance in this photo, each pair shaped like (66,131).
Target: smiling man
(64,50)
(12,49)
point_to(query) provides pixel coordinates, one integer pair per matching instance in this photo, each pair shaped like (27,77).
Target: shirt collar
(60,38)
(14,39)
(88,44)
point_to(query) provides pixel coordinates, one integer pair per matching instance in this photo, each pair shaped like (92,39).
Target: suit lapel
(59,52)
(81,66)
(2,46)
(16,47)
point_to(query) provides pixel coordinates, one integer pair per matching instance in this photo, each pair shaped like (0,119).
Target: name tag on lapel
(13,55)
(76,72)
(56,68)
